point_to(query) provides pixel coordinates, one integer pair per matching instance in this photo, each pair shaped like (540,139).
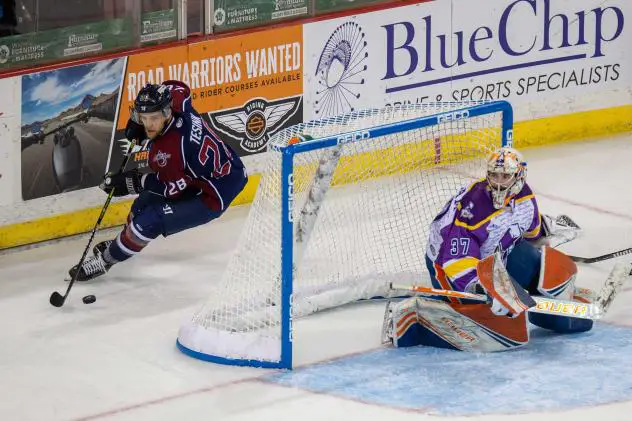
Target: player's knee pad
(148,223)
(190,214)
(557,274)
(560,324)
(145,198)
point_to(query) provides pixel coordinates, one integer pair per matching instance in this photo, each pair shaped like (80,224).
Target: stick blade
(56,299)
(621,273)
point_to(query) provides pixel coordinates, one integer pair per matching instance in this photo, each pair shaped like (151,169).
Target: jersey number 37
(459,246)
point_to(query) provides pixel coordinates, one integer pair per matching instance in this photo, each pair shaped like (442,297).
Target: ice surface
(116,359)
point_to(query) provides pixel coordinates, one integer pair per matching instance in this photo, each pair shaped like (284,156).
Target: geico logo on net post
(510,138)
(290,199)
(291,311)
(353,137)
(457,115)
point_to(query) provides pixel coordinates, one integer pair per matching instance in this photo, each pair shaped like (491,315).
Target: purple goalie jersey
(469,229)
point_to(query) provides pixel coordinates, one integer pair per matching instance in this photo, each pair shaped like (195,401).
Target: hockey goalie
(491,239)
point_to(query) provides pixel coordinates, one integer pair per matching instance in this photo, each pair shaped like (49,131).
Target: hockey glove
(496,307)
(135,131)
(559,230)
(500,310)
(123,184)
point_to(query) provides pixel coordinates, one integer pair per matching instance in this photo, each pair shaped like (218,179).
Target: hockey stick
(566,221)
(58,300)
(544,305)
(602,257)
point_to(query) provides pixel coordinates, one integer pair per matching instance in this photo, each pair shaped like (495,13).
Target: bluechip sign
(546,57)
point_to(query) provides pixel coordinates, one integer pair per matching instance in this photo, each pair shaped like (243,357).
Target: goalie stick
(602,257)
(545,305)
(58,300)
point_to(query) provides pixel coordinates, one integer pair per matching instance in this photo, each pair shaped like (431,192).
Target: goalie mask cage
(342,209)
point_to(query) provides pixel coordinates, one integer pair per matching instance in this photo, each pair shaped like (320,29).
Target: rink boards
(567,79)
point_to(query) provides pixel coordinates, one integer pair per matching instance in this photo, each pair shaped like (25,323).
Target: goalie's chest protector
(504,227)
(471,215)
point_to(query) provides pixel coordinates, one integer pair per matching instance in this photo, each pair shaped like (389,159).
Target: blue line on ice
(553,372)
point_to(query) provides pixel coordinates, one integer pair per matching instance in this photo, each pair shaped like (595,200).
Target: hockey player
(490,239)
(195,176)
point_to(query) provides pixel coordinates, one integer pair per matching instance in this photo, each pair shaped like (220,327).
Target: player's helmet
(152,98)
(506,174)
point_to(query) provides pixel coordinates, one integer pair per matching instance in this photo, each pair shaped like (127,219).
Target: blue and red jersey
(189,158)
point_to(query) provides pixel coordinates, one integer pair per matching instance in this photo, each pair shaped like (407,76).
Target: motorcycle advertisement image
(67,125)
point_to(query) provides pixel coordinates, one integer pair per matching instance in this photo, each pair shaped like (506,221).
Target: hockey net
(361,196)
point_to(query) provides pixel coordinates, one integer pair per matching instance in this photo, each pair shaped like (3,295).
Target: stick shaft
(85,251)
(543,305)
(97,224)
(602,257)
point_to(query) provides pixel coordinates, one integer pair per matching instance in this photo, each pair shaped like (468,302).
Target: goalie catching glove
(558,230)
(123,184)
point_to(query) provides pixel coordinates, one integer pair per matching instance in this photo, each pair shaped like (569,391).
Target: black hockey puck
(89,299)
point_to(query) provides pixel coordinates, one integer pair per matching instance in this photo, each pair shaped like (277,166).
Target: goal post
(342,209)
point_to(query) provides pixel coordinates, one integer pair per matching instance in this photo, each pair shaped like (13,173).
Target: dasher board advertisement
(246,87)
(545,57)
(68,118)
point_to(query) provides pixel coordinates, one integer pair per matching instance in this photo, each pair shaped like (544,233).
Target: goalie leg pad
(557,280)
(437,277)
(465,327)
(403,328)
(470,327)
(557,274)
(560,324)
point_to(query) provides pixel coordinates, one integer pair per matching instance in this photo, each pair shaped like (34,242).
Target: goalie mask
(506,175)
